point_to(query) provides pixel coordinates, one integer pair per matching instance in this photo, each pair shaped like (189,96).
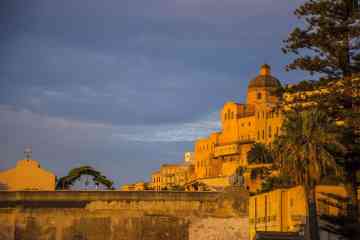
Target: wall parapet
(82,198)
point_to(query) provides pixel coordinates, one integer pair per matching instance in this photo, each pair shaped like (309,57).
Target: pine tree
(328,45)
(330,37)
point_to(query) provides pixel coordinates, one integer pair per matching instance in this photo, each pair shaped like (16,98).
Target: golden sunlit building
(285,210)
(257,120)
(171,176)
(220,155)
(138,186)
(27,175)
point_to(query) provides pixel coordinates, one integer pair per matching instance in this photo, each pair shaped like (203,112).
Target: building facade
(242,124)
(27,175)
(220,155)
(171,176)
(285,210)
(138,186)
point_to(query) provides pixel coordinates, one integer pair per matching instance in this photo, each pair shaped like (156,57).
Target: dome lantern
(265,70)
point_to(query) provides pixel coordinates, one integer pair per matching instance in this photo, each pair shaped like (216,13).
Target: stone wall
(116,215)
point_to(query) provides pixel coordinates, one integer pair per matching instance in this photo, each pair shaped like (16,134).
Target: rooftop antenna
(28,153)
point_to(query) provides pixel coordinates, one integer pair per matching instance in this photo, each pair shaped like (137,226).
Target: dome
(264,79)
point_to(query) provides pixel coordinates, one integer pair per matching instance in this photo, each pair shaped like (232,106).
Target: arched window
(259,95)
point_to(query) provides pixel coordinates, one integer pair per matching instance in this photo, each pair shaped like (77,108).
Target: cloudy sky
(126,85)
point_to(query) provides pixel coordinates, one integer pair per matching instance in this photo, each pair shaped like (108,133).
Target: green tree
(74,174)
(305,156)
(349,161)
(259,153)
(328,44)
(330,35)
(275,182)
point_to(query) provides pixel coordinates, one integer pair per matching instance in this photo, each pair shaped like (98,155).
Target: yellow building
(210,184)
(138,186)
(171,176)
(27,175)
(257,120)
(156,181)
(285,210)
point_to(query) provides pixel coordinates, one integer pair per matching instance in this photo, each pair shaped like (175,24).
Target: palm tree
(305,156)
(259,154)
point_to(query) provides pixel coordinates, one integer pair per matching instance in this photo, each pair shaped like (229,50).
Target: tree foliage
(328,43)
(302,153)
(276,182)
(258,154)
(74,174)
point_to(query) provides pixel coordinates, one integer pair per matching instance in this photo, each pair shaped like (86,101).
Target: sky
(125,86)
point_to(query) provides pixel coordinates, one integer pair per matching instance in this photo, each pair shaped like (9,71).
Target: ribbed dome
(264,79)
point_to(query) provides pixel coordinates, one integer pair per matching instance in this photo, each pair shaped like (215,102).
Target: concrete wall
(116,215)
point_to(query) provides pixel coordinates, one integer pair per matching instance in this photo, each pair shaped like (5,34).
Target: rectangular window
(270,132)
(266,208)
(263,134)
